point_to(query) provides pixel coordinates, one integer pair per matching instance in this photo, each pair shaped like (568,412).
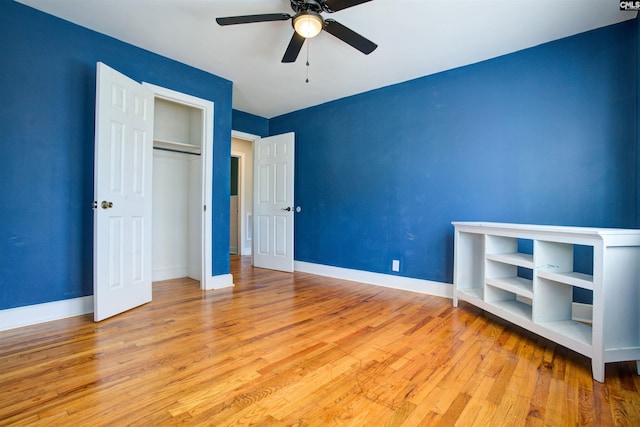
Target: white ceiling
(415,38)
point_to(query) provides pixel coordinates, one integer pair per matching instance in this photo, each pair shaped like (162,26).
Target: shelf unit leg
(597,367)
(455,304)
(638,366)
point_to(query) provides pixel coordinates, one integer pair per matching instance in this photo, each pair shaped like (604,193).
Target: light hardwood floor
(301,350)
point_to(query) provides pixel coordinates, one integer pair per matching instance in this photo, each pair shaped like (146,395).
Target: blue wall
(637,83)
(47,107)
(249,123)
(546,135)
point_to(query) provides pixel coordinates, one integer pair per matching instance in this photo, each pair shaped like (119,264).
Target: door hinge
(205,208)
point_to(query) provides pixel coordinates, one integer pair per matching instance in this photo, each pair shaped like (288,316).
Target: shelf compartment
(507,301)
(555,261)
(553,301)
(473,293)
(509,250)
(469,275)
(514,307)
(516,285)
(514,258)
(570,329)
(571,278)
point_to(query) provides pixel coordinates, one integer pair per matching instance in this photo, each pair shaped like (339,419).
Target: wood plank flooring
(301,350)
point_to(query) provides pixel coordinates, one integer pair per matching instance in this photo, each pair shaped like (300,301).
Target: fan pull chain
(308,43)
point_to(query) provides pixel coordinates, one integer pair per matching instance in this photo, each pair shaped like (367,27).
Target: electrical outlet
(395,265)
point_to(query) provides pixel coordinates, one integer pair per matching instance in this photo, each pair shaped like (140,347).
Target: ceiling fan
(307,23)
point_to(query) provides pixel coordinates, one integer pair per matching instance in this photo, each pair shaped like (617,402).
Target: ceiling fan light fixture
(308,24)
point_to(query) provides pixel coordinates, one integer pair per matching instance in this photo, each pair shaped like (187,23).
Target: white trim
(249,225)
(245,136)
(39,313)
(581,312)
(242,209)
(169,273)
(218,282)
(387,280)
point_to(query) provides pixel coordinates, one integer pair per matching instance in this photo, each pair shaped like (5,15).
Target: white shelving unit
(535,291)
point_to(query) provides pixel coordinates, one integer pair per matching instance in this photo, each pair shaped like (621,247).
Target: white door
(122,189)
(273,202)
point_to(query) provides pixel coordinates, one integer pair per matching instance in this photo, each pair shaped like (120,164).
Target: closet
(177,190)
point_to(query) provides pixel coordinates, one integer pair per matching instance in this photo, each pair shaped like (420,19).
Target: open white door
(273,202)
(122,190)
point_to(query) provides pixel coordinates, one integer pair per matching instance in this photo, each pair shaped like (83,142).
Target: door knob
(288,209)
(106,205)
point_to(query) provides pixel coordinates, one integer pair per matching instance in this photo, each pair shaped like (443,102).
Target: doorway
(181,186)
(234,207)
(266,206)
(241,205)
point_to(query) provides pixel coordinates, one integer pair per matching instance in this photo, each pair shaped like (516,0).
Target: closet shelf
(177,146)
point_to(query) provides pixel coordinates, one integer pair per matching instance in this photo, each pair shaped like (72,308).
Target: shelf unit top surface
(531,228)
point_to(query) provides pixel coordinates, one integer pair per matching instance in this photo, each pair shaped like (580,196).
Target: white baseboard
(194,273)
(161,274)
(582,312)
(39,313)
(218,282)
(387,280)
(32,314)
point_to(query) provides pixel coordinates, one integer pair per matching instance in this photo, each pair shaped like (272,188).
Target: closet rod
(175,151)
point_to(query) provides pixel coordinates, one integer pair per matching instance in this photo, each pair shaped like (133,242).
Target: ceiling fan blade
(336,5)
(349,36)
(248,19)
(291,54)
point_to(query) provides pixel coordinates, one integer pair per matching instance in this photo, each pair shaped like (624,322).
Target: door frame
(206,279)
(246,226)
(241,235)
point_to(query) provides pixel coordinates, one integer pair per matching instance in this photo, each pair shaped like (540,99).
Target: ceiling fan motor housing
(309,5)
